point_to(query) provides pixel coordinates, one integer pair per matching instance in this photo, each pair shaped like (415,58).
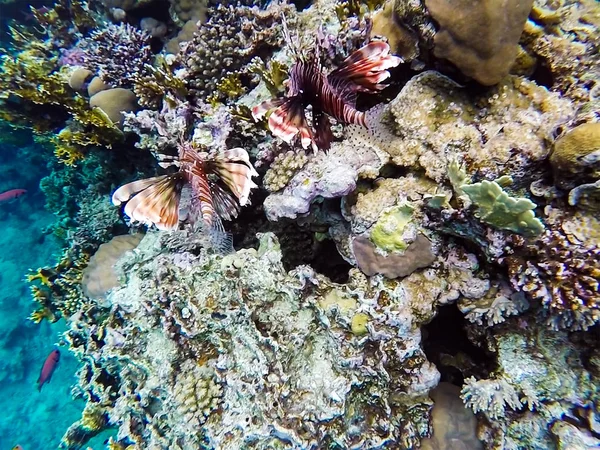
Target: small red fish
(48,368)
(13,193)
(17,447)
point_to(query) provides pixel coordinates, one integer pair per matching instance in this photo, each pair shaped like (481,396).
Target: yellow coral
(60,290)
(93,418)
(43,313)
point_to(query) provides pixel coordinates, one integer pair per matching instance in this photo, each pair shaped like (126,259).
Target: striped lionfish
(217,184)
(331,95)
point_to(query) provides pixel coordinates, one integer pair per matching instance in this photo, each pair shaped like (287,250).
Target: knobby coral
(332,95)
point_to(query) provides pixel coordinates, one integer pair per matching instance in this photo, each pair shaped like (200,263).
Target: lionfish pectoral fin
(366,67)
(157,202)
(125,192)
(260,111)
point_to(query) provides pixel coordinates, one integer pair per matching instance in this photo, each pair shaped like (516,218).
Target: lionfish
(217,184)
(331,95)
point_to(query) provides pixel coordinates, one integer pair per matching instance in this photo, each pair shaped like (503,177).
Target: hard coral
(118,53)
(561,274)
(479,37)
(201,337)
(58,292)
(230,39)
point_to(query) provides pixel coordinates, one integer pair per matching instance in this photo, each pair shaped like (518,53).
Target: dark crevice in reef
(157,9)
(543,76)
(300,241)
(301,5)
(447,345)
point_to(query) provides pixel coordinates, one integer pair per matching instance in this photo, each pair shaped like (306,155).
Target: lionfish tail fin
(366,68)
(152,201)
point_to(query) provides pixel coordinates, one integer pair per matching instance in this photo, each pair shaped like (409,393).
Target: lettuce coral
(497,208)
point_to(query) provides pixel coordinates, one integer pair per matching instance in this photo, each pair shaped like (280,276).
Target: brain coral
(99,276)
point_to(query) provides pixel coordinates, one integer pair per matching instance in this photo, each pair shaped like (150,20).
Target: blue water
(35,420)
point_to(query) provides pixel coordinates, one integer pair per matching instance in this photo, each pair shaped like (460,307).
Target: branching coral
(491,396)
(119,54)
(57,289)
(561,274)
(159,82)
(232,36)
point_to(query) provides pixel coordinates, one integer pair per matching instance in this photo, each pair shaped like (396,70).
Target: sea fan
(220,183)
(331,95)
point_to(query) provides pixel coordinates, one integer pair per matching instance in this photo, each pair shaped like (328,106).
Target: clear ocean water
(32,419)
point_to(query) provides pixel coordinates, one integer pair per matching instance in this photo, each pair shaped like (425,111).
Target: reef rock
(206,351)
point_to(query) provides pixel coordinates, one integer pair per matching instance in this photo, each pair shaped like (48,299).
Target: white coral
(490,396)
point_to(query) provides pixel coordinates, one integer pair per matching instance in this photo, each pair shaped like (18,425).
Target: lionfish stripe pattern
(333,95)
(366,68)
(219,185)
(152,201)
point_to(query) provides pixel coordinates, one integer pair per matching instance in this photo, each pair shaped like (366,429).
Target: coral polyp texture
(326,224)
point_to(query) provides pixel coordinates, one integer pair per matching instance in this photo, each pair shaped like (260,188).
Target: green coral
(495,207)
(387,234)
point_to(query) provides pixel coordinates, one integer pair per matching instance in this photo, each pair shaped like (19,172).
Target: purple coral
(564,276)
(118,53)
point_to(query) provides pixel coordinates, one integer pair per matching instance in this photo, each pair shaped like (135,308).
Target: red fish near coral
(48,368)
(13,193)
(218,184)
(331,95)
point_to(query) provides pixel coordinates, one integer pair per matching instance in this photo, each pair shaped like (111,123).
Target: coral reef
(99,276)
(229,40)
(249,369)
(541,380)
(421,199)
(562,37)
(561,274)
